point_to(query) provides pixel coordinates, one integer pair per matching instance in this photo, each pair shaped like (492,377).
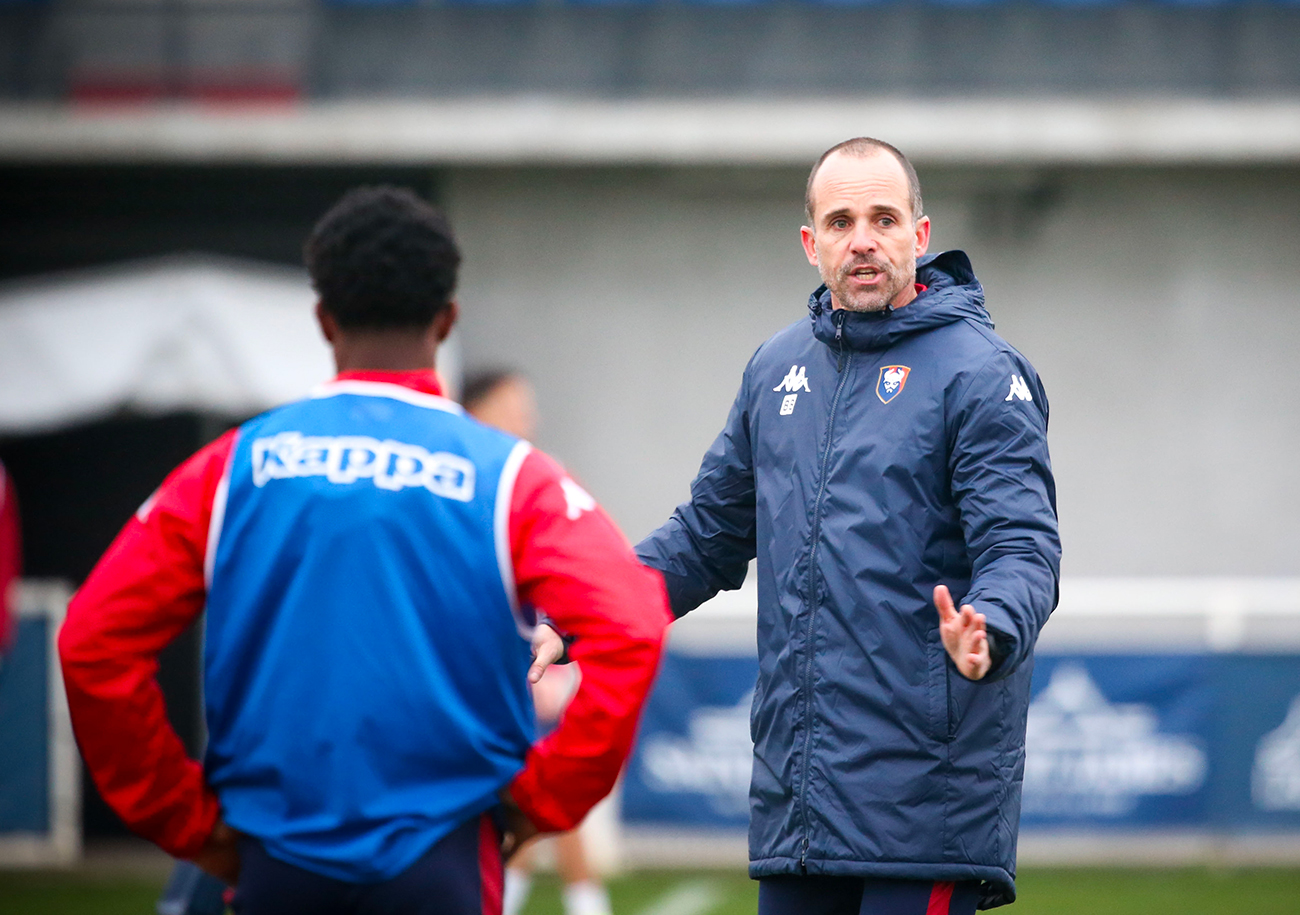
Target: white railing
(1183,614)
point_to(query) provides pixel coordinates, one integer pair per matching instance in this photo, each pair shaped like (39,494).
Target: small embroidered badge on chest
(891,381)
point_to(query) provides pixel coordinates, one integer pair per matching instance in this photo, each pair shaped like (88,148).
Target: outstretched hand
(548,648)
(964,635)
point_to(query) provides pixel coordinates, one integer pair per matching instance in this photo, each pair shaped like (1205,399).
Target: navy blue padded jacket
(868,458)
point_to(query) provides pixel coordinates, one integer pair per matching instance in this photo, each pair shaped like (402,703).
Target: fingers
(964,634)
(548,648)
(975,660)
(943,603)
(518,829)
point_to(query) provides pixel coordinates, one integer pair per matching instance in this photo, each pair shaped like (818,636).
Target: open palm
(964,635)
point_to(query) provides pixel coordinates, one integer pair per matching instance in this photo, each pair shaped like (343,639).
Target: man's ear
(329,326)
(809,244)
(445,321)
(922,235)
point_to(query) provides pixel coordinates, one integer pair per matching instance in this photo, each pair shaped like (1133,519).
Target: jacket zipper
(812,605)
(839,341)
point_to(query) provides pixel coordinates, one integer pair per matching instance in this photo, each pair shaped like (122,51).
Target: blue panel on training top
(24,724)
(694,756)
(357,586)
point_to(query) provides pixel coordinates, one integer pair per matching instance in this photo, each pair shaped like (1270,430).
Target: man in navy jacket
(880,458)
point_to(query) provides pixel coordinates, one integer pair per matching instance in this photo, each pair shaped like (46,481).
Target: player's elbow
(80,647)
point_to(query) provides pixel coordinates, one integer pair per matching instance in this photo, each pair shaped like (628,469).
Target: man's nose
(863,238)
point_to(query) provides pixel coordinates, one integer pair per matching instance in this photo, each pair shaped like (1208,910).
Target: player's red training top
(149,586)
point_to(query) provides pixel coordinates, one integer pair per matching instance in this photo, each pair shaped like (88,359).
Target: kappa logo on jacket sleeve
(344,459)
(1019,389)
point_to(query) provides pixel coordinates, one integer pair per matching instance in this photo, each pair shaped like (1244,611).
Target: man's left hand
(964,635)
(548,647)
(219,855)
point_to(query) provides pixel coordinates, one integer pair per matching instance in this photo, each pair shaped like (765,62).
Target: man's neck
(385,351)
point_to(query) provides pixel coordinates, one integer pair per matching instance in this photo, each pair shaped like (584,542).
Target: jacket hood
(952,294)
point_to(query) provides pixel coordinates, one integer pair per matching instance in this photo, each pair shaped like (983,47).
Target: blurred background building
(626,179)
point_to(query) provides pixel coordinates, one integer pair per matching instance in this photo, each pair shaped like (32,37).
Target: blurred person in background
(883,454)
(505,399)
(11,560)
(368,560)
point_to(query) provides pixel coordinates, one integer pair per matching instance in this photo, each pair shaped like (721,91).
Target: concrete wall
(1160,306)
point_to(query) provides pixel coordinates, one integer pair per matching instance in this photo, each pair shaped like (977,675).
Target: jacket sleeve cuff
(1005,648)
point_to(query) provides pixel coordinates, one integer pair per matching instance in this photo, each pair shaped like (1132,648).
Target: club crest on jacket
(891,381)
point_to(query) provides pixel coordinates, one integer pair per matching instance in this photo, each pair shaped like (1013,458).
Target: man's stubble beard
(875,300)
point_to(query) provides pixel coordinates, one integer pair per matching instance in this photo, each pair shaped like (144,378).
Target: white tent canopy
(186,332)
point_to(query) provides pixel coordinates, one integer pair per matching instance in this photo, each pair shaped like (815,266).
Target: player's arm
(706,545)
(145,590)
(1002,481)
(572,564)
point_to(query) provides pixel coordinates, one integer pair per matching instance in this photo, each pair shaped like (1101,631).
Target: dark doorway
(57,217)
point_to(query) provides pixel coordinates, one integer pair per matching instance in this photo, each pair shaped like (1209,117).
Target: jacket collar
(425,381)
(952,294)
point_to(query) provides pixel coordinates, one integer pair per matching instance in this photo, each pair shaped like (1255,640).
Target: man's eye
(887,222)
(839,223)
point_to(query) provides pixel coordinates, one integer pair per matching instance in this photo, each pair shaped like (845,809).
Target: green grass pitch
(1043,891)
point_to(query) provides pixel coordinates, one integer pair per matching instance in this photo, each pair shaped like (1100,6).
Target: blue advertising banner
(1204,742)
(24,723)
(694,755)
(1257,743)
(1118,739)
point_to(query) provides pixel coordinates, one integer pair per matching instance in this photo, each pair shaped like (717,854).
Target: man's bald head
(862,148)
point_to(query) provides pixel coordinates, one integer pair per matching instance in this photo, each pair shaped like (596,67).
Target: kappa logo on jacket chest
(891,382)
(794,381)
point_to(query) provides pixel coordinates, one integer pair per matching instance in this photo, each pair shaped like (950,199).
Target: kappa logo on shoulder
(891,381)
(1019,389)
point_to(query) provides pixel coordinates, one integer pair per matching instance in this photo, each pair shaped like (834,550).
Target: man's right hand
(219,856)
(518,828)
